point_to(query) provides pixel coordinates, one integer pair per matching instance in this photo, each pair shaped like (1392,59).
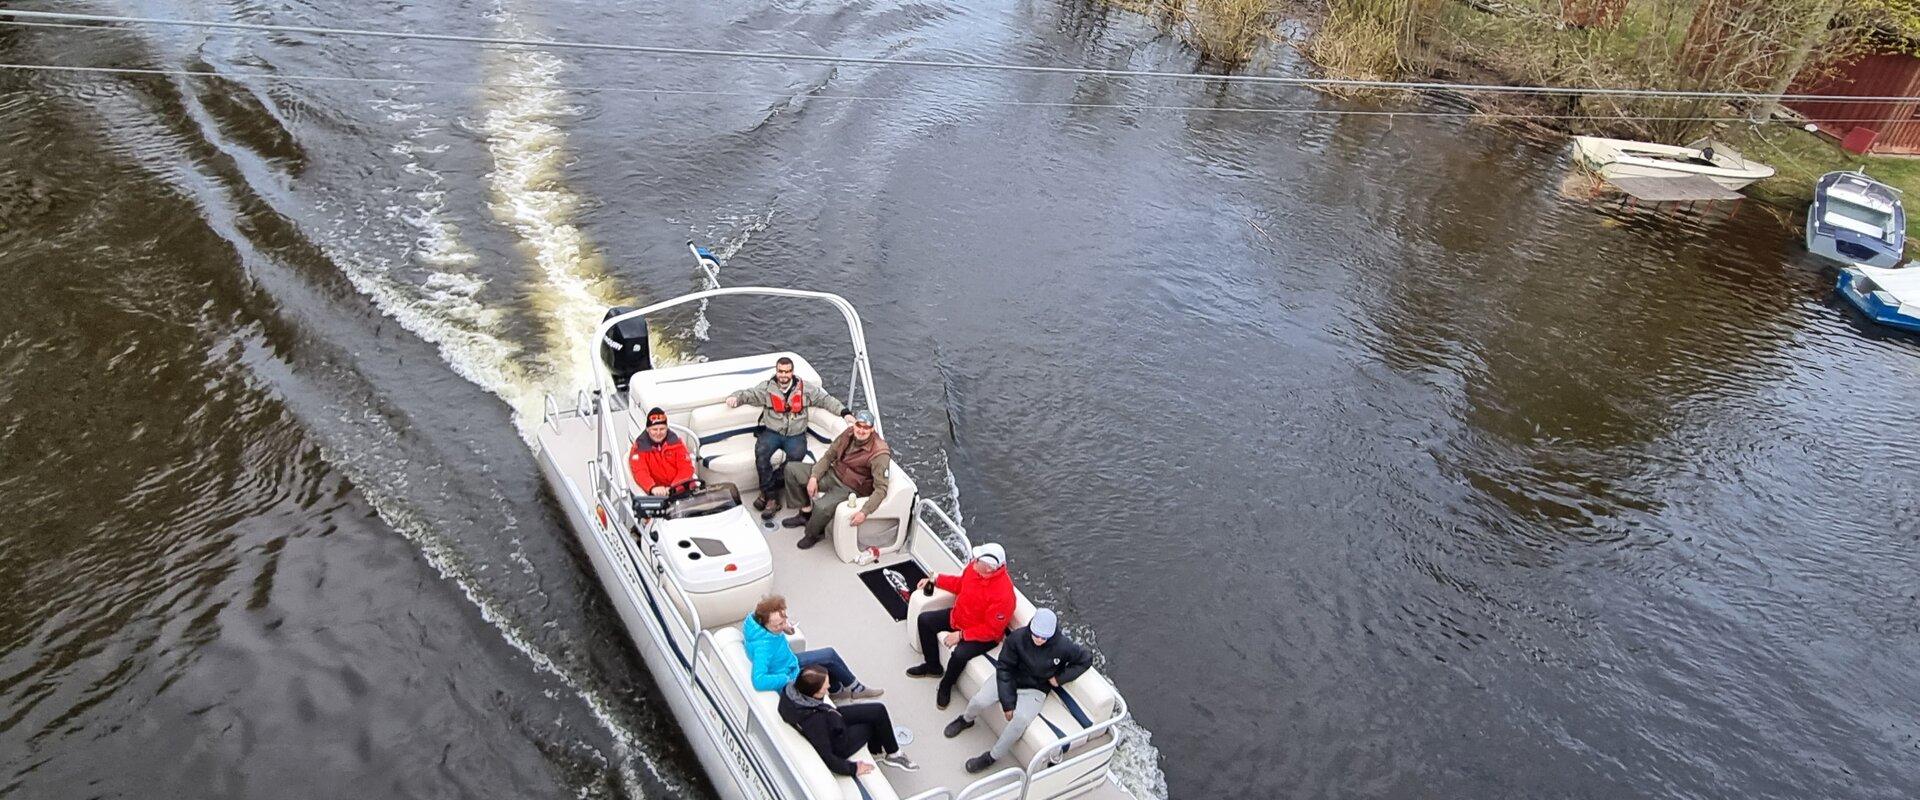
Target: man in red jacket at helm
(659,459)
(982,609)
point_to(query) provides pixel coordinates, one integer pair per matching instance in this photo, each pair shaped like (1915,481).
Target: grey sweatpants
(1026,706)
(832,493)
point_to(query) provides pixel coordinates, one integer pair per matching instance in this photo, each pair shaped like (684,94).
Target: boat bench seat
(793,748)
(728,436)
(711,384)
(1091,693)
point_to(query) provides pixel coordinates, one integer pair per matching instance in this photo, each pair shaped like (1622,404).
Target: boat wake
(422,275)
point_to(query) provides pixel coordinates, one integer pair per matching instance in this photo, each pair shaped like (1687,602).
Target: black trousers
(932,623)
(869,726)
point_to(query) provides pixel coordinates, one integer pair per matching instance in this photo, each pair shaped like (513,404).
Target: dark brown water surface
(1374,462)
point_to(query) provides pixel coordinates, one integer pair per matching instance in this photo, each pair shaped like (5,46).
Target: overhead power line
(775,95)
(748,55)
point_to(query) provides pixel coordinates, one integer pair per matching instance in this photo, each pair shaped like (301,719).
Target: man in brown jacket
(855,464)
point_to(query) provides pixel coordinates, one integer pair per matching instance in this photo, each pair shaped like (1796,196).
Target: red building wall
(1894,124)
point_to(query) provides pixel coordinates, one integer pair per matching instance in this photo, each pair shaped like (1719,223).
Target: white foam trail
(571,290)
(398,514)
(446,315)
(445,310)
(531,198)
(953,491)
(1136,763)
(744,229)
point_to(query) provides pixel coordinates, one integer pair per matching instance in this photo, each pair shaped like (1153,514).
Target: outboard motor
(625,348)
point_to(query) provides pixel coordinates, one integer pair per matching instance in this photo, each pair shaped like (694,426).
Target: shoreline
(1468,53)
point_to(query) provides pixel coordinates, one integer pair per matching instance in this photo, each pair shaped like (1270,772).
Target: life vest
(794,402)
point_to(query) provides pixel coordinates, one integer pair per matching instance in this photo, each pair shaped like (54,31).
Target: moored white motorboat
(1622,158)
(1855,219)
(1890,297)
(683,573)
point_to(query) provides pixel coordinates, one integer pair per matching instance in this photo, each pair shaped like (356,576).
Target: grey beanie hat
(1045,623)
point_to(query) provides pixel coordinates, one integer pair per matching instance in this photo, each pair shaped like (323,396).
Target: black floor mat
(883,590)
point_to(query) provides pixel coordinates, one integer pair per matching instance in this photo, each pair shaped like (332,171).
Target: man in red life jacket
(659,459)
(982,608)
(784,400)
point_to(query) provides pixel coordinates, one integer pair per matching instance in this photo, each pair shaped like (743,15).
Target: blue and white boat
(1855,219)
(1890,297)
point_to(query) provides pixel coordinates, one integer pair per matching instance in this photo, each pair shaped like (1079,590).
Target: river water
(1374,459)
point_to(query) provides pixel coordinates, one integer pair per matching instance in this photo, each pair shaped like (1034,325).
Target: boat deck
(833,608)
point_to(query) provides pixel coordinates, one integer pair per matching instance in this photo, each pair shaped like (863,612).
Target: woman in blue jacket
(775,664)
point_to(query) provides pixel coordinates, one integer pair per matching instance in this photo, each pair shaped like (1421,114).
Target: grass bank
(1799,158)
(1634,43)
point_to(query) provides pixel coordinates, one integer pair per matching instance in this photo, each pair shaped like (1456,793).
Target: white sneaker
(898,761)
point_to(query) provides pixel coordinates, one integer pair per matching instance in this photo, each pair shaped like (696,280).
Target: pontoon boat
(683,573)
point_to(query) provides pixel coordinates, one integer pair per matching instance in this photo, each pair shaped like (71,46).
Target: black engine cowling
(625,349)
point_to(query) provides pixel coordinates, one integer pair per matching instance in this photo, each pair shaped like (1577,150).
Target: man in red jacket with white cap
(659,459)
(982,609)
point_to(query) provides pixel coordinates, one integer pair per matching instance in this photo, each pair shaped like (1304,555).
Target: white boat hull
(1620,158)
(648,637)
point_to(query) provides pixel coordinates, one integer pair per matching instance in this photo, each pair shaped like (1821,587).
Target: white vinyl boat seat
(1090,697)
(709,384)
(728,436)
(793,748)
(886,528)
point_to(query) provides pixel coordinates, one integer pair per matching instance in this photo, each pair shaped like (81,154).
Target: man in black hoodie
(1033,661)
(837,733)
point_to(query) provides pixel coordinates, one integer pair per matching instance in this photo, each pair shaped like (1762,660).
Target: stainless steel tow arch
(862,381)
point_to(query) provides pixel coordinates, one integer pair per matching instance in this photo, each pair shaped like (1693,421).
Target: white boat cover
(1903,283)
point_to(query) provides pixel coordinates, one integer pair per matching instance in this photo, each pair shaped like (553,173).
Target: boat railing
(1009,782)
(954,539)
(935,793)
(757,735)
(861,384)
(689,613)
(1035,771)
(549,408)
(614,501)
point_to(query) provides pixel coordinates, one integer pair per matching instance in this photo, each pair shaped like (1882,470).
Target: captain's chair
(885,528)
(636,425)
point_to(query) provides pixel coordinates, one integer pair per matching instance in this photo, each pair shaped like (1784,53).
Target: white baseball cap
(993,554)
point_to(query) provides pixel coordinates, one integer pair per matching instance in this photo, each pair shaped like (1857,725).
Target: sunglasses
(863,425)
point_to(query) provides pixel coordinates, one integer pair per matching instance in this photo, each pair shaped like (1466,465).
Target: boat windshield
(1859,213)
(711,500)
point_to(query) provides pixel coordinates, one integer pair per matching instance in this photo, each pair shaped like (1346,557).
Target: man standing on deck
(1036,660)
(982,607)
(783,400)
(855,464)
